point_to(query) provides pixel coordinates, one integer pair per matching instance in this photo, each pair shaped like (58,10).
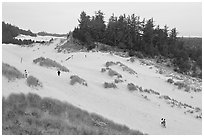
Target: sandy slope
(119,104)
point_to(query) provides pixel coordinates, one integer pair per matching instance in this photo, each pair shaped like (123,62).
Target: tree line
(9,32)
(51,34)
(135,34)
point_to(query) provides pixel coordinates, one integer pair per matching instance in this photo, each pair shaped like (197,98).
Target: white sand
(119,104)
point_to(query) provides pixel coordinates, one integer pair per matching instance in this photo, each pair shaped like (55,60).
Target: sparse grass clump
(110,63)
(109,85)
(33,82)
(165,97)
(103,70)
(146,90)
(180,85)
(170,80)
(132,59)
(114,73)
(10,72)
(131,87)
(123,66)
(30,114)
(50,63)
(154,92)
(77,79)
(118,80)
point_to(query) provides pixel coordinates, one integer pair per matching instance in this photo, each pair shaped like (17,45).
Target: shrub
(114,73)
(197,109)
(161,71)
(50,63)
(33,82)
(187,89)
(10,72)
(170,80)
(103,70)
(165,97)
(146,90)
(132,59)
(131,87)
(180,85)
(145,97)
(77,79)
(154,92)
(118,80)
(109,85)
(110,63)
(126,68)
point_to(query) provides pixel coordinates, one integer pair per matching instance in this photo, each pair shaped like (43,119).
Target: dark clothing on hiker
(26,74)
(58,73)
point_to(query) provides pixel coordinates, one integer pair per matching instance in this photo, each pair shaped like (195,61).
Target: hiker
(163,122)
(26,73)
(58,73)
(21,59)
(85,56)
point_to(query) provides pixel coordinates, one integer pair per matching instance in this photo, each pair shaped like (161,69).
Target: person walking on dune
(58,73)
(163,122)
(26,73)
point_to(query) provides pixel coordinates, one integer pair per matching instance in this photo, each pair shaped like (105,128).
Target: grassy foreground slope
(31,114)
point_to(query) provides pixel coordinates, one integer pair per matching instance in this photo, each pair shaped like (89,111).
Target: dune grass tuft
(30,114)
(77,79)
(109,85)
(114,73)
(170,80)
(10,72)
(131,87)
(33,82)
(50,63)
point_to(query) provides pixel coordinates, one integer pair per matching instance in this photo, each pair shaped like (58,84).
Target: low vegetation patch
(123,66)
(10,72)
(197,112)
(111,72)
(131,87)
(50,63)
(103,70)
(109,85)
(77,79)
(182,85)
(33,82)
(114,73)
(154,92)
(132,59)
(118,80)
(165,97)
(126,68)
(170,81)
(32,115)
(110,63)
